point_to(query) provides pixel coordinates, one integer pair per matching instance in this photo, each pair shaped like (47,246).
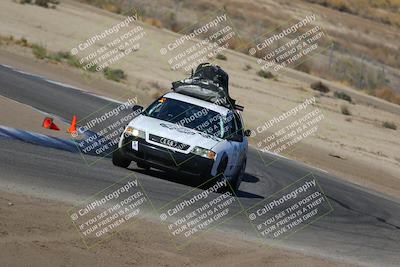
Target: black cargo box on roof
(208,82)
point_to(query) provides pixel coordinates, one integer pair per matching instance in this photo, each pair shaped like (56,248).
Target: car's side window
(230,127)
(239,126)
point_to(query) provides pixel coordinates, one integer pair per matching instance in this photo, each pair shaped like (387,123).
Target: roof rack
(210,83)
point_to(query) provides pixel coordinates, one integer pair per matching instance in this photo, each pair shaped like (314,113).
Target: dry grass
(345,110)
(40,52)
(111,8)
(155,22)
(388,95)
(355,39)
(252,19)
(384,11)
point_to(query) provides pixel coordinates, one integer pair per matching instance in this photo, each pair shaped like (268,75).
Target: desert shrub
(342,95)
(42,3)
(114,74)
(6,39)
(55,57)
(92,68)
(64,57)
(339,5)
(221,57)
(345,110)
(265,74)
(319,86)
(59,56)
(389,125)
(22,42)
(39,51)
(247,67)
(73,61)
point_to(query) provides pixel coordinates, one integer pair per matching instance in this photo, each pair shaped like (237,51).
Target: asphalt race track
(363,226)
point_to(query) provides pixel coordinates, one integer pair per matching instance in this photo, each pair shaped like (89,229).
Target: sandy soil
(29,119)
(37,232)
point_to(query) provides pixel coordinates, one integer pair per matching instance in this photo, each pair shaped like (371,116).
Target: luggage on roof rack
(208,82)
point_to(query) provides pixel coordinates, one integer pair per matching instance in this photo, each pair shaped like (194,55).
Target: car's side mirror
(137,109)
(236,137)
(247,132)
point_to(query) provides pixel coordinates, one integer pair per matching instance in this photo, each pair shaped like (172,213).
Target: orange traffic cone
(49,124)
(72,129)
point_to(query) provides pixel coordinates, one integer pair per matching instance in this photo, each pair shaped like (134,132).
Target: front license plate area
(135,145)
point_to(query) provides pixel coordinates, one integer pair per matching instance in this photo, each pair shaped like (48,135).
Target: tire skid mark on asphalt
(379,219)
(38,139)
(46,140)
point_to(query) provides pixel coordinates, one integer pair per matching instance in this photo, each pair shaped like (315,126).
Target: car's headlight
(135,132)
(206,153)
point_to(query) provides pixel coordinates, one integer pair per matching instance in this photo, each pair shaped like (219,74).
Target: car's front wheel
(235,182)
(119,160)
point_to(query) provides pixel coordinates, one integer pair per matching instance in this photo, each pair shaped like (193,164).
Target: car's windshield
(190,116)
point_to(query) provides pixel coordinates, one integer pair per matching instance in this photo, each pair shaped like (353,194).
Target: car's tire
(235,182)
(222,166)
(119,160)
(206,180)
(143,166)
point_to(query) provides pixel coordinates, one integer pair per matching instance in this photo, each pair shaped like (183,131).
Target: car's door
(234,146)
(239,146)
(242,146)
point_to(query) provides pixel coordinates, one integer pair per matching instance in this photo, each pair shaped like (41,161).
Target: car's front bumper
(165,159)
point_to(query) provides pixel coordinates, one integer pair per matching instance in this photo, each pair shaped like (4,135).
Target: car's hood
(174,132)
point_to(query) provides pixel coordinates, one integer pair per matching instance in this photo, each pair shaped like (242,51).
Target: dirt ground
(37,232)
(29,116)
(356,148)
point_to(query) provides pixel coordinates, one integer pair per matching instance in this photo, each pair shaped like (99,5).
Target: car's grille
(168,142)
